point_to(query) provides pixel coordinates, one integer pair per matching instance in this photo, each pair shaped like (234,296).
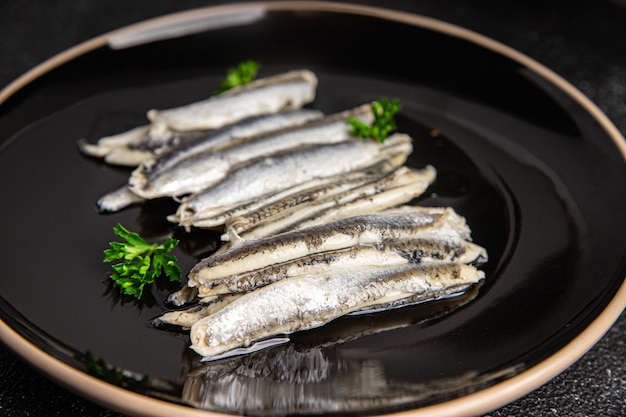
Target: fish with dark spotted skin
(309,301)
(271,174)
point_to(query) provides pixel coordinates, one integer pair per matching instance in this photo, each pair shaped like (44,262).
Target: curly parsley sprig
(384,111)
(142,262)
(243,73)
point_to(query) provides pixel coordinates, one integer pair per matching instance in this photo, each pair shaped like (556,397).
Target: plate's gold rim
(477,403)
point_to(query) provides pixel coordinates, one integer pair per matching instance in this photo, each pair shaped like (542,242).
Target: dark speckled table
(582,40)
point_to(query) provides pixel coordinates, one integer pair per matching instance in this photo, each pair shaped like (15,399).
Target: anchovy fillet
(395,188)
(217,294)
(121,149)
(411,222)
(287,91)
(185,318)
(427,250)
(151,166)
(117,200)
(135,146)
(200,170)
(289,197)
(272,174)
(310,301)
(167,128)
(142,179)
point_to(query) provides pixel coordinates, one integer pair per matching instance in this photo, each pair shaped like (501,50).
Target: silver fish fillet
(151,166)
(187,317)
(201,170)
(216,294)
(248,129)
(292,196)
(272,174)
(117,200)
(135,146)
(395,188)
(167,128)
(311,301)
(411,222)
(287,91)
(395,252)
(122,149)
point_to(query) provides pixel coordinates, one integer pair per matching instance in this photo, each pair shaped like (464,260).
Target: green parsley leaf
(384,111)
(243,73)
(142,262)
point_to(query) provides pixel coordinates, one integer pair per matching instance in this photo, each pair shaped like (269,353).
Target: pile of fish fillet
(316,223)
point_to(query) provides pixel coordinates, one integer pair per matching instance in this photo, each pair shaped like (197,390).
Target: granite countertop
(584,41)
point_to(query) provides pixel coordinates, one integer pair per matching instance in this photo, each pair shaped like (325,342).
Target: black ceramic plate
(535,168)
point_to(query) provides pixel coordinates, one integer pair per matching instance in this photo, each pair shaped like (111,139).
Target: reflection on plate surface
(317,371)
(538,178)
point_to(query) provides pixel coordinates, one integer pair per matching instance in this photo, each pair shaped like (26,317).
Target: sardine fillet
(311,301)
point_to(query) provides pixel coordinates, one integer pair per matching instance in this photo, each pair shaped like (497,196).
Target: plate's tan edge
(474,404)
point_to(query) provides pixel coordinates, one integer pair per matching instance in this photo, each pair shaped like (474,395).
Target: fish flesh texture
(201,170)
(118,199)
(187,317)
(441,223)
(227,136)
(413,250)
(135,146)
(292,196)
(392,189)
(272,174)
(418,251)
(310,301)
(155,165)
(168,128)
(438,248)
(127,148)
(286,91)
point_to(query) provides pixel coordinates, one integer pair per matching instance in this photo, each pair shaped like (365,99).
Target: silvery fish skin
(198,171)
(429,250)
(117,200)
(272,174)
(287,91)
(395,188)
(310,301)
(135,146)
(217,294)
(109,147)
(226,136)
(283,199)
(318,192)
(187,317)
(409,222)
(155,164)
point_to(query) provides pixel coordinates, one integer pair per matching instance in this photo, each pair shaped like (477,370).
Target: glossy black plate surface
(538,178)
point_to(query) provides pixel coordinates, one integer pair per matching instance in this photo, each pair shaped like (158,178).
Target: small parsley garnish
(384,110)
(243,73)
(142,262)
